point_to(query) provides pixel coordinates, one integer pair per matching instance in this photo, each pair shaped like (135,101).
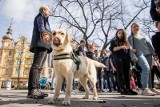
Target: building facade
(16,60)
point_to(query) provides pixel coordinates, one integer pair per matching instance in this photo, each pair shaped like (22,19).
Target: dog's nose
(56,40)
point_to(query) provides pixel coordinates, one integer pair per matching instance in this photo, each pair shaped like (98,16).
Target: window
(7,72)
(18,61)
(16,72)
(19,52)
(8,62)
(28,62)
(10,53)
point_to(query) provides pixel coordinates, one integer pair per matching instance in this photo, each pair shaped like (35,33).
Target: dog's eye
(54,33)
(62,33)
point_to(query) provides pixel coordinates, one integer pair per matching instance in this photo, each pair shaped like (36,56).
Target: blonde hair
(43,8)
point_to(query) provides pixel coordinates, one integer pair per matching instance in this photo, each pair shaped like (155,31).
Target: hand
(45,37)
(134,50)
(155,58)
(124,47)
(135,60)
(113,69)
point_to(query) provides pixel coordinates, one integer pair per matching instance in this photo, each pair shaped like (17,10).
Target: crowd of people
(129,60)
(130,63)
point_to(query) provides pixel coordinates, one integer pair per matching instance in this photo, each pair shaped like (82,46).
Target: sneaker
(35,94)
(155,91)
(104,90)
(52,91)
(148,92)
(45,94)
(62,92)
(138,90)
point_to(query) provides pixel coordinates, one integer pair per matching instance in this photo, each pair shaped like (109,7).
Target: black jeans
(39,59)
(154,71)
(99,77)
(122,69)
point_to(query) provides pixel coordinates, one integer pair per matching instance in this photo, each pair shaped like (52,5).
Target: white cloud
(20,10)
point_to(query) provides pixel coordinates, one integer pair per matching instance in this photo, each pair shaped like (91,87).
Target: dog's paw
(86,97)
(52,101)
(95,98)
(66,103)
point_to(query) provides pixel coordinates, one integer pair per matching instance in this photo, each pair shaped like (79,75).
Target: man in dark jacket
(156,40)
(40,46)
(155,10)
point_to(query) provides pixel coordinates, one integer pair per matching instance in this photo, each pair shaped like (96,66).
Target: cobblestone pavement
(17,98)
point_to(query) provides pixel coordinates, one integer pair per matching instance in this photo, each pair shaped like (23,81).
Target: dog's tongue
(56,40)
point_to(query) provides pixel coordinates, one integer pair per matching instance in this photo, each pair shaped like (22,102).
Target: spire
(9,30)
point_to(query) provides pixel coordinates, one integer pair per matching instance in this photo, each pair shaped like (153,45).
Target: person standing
(99,71)
(107,72)
(155,10)
(156,40)
(143,53)
(81,52)
(120,49)
(113,71)
(40,46)
(156,44)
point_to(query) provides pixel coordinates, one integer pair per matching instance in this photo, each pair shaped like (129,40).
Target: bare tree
(109,12)
(121,14)
(146,22)
(98,20)
(79,14)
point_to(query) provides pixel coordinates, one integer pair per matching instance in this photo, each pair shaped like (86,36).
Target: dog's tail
(98,64)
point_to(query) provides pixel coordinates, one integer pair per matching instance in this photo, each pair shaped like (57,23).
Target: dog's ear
(69,38)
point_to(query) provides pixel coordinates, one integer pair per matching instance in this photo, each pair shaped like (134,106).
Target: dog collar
(62,56)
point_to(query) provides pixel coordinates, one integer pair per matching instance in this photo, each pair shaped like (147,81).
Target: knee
(34,66)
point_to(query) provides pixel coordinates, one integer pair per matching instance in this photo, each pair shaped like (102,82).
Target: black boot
(131,92)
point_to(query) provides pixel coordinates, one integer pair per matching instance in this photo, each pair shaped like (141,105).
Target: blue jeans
(145,62)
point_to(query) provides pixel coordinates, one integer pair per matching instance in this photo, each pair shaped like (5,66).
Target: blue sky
(23,13)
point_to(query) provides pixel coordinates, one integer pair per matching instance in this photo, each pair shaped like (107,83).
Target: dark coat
(41,25)
(155,16)
(156,43)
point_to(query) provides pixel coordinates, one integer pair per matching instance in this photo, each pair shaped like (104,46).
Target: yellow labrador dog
(64,67)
